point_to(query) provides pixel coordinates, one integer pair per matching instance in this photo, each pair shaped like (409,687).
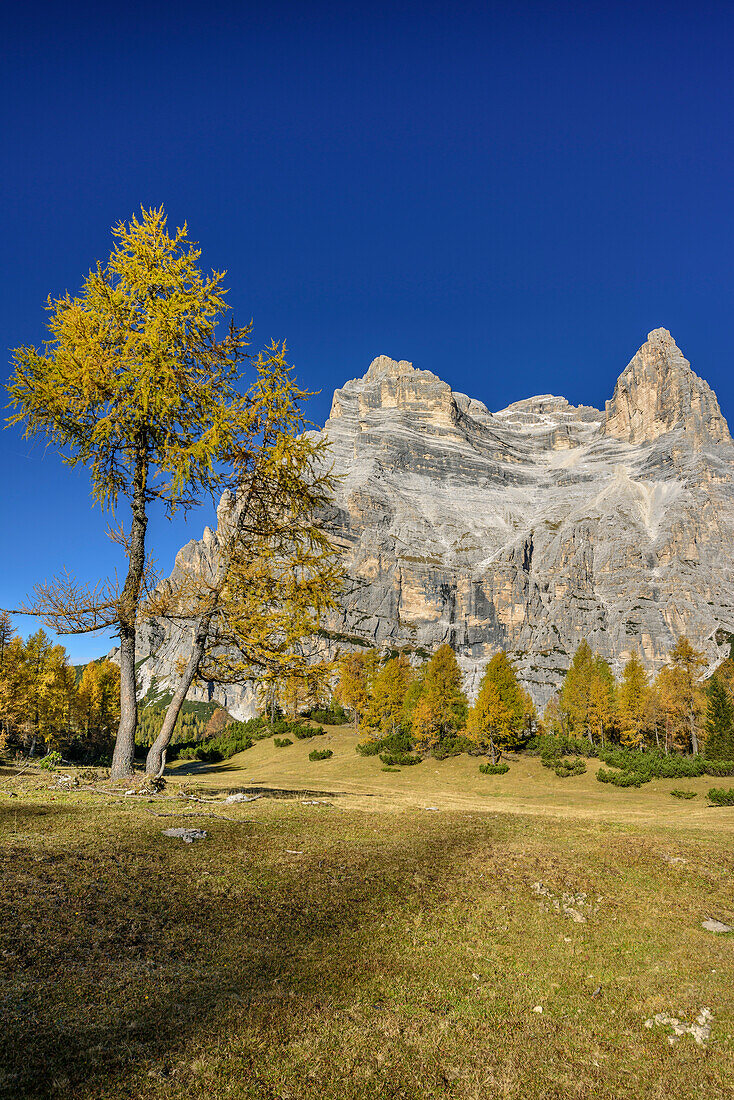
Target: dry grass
(456,783)
(368,947)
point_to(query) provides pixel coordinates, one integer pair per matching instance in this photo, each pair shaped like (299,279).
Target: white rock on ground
(700,1029)
(716,926)
(187,835)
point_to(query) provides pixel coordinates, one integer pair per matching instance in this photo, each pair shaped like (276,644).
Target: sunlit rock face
(532,528)
(658,392)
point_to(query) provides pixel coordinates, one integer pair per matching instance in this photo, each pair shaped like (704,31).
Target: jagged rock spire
(658,392)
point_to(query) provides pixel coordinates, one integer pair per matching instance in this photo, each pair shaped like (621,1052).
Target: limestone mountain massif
(527,529)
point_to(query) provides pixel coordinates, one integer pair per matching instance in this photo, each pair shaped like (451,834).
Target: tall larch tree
(137,385)
(257,607)
(503,713)
(442,708)
(357,673)
(573,698)
(633,706)
(602,700)
(385,710)
(682,695)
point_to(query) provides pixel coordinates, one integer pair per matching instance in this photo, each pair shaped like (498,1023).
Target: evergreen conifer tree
(719,721)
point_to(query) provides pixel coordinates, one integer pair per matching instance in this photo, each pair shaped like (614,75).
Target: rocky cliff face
(530,528)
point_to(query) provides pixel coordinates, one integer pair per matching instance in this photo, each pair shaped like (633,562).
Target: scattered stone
(430,807)
(243,797)
(187,835)
(570,904)
(700,1029)
(539,1009)
(597,992)
(716,926)
(292,852)
(674,859)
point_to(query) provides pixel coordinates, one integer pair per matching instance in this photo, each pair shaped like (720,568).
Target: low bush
(721,796)
(494,769)
(388,769)
(683,794)
(719,767)
(332,716)
(320,754)
(281,742)
(564,767)
(304,732)
(399,744)
(654,764)
(401,759)
(51,762)
(548,745)
(453,746)
(367,748)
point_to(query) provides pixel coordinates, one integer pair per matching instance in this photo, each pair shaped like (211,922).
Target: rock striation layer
(531,528)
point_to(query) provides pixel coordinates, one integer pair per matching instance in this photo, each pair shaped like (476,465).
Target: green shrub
(654,764)
(719,767)
(683,794)
(548,745)
(564,767)
(403,759)
(397,744)
(387,769)
(621,779)
(304,732)
(254,729)
(453,746)
(51,762)
(281,742)
(494,769)
(334,715)
(320,754)
(367,748)
(721,796)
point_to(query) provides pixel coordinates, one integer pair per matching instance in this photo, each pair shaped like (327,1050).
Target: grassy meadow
(357,933)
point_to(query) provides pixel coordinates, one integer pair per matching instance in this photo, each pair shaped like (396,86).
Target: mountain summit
(530,528)
(657,391)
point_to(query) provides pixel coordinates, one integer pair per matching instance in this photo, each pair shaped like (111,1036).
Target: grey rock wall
(530,528)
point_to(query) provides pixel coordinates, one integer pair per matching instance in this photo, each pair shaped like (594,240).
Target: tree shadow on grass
(125,947)
(292,793)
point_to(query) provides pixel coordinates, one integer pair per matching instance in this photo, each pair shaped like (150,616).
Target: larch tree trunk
(124,753)
(156,759)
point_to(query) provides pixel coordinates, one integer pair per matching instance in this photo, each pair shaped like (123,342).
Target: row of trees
(45,705)
(676,711)
(428,704)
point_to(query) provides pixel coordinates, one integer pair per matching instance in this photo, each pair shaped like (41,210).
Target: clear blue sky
(510,195)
